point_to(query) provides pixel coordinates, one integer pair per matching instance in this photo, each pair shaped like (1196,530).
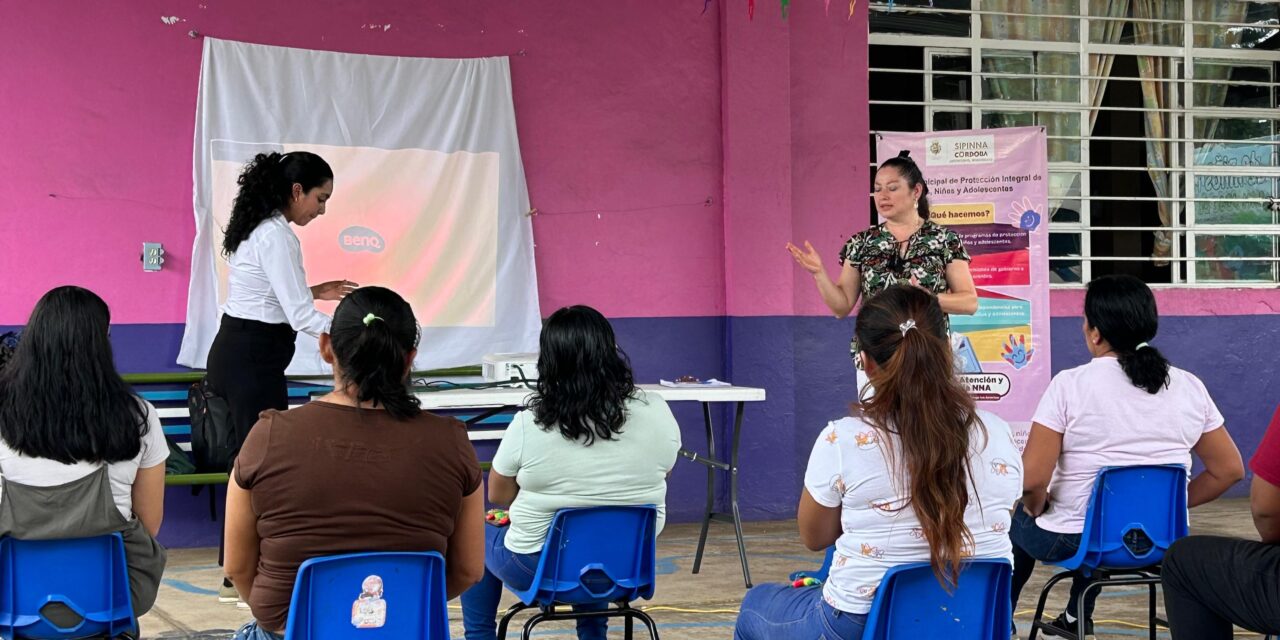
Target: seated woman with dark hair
(589,438)
(360,469)
(80,453)
(1126,406)
(917,474)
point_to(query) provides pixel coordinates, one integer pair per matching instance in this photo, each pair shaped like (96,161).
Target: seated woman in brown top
(361,469)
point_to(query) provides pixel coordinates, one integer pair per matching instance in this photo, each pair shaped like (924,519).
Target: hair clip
(907,326)
(369,318)
(905,154)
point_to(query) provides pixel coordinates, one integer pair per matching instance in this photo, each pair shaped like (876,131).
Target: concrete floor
(685,605)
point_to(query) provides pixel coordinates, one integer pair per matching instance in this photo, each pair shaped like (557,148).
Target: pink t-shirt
(1106,421)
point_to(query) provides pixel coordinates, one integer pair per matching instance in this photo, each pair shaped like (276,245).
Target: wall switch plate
(152,256)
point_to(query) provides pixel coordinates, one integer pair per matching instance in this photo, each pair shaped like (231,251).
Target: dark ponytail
(373,333)
(266,184)
(919,399)
(1123,310)
(910,171)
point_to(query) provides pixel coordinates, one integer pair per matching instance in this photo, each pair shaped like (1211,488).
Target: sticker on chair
(369,611)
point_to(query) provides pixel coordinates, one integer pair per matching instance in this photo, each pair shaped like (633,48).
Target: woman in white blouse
(918,473)
(268,300)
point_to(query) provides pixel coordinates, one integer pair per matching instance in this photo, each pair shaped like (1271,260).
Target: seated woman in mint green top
(589,438)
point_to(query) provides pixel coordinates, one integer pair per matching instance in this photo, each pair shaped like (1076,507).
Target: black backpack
(213,441)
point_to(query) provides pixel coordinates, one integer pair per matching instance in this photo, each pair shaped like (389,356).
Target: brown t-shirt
(326,479)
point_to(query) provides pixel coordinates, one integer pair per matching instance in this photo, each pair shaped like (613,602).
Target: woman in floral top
(906,248)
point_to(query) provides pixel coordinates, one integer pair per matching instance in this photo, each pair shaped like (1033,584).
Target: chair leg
(649,624)
(506,618)
(1151,618)
(1044,597)
(529,624)
(627,625)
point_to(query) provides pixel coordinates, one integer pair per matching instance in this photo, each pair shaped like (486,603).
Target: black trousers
(1211,583)
(246,367)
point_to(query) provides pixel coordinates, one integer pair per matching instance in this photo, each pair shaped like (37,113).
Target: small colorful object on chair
(806,582)
(498,517)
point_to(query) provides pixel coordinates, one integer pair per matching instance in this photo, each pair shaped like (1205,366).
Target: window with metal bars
(1164,134)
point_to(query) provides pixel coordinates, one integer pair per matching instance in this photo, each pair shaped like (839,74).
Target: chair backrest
(72,588)
(910,599)
(373,596)
(596,554)
(1134,514)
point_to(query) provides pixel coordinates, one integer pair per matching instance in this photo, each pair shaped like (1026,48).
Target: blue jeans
(780,611)
(1031,543)
(250,631)
(516,570)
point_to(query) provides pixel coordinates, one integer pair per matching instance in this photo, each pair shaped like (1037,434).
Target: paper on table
(712,382)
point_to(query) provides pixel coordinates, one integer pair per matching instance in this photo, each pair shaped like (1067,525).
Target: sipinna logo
(357,239)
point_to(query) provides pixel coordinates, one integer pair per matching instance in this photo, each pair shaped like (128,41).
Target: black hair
(1123,310)
(266,184)
(584,378)
(60,396)
(373,332)
(911,173)
(8,342)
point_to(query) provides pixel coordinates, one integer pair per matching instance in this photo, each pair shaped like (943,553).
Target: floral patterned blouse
(928,252)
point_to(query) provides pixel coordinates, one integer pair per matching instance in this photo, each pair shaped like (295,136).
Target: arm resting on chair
(819,525)
(148,497)
(241,538)
(464,563)
(1039,459)
(1222,467)
(1264,502)
(502,489)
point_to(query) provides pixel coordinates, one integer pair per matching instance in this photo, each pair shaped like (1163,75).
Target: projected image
(423,223)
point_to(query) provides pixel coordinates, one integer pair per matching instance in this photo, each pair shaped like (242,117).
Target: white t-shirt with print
(42,472)
(848,468)
(1106,421)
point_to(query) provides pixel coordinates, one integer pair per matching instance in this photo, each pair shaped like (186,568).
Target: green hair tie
(369,318)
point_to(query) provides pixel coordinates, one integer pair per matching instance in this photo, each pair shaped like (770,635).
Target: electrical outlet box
(152,256)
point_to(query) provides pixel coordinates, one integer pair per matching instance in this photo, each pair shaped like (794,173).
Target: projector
(502,367)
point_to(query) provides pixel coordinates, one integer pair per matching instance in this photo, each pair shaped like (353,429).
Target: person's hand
(333,290)
(808,258)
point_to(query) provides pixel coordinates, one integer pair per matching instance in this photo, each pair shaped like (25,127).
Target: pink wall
(618,105)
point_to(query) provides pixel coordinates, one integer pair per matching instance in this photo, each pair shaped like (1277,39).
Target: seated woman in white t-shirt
(1126,406)
(589,438)
(917,474)
(80,454)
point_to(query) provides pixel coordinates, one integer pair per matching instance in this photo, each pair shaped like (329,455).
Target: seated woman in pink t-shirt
(1126,406)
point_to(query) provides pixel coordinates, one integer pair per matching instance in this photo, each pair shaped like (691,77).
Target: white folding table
(498,400)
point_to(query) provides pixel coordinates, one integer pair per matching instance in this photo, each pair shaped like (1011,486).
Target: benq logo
(360,239)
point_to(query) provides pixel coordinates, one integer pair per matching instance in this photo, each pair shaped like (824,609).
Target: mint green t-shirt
(555,473)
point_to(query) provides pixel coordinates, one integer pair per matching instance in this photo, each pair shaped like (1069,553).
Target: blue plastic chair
(373,596)
(592,555)
(1134,515)
(910,603)
(72,588)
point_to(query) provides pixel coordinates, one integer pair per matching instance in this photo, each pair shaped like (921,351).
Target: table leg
(711,486)
(733,493)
